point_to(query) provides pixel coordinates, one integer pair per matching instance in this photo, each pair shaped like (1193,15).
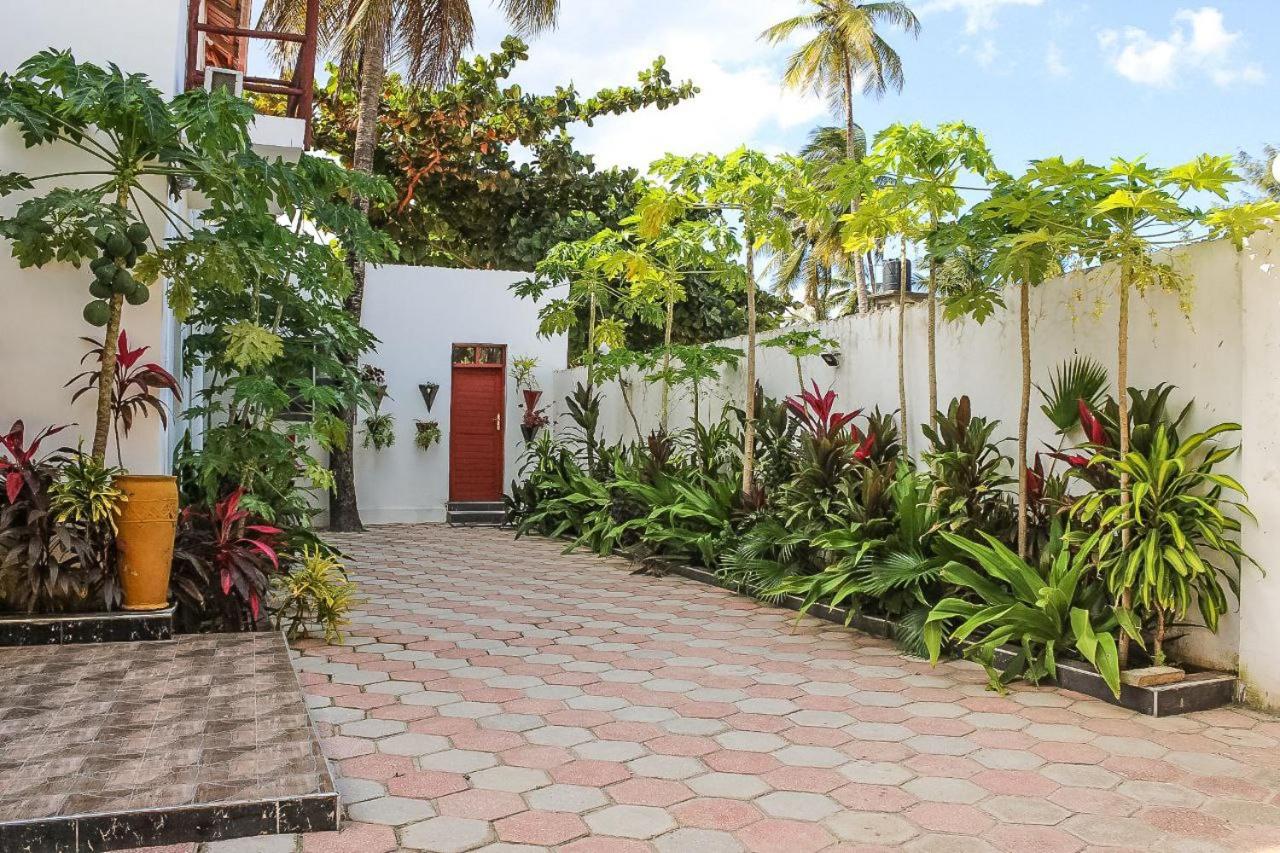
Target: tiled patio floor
(494,694)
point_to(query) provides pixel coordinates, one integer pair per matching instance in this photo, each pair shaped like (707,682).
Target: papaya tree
(925,164)
(745,188)
(1135,208)
(1029,225)
(136,148)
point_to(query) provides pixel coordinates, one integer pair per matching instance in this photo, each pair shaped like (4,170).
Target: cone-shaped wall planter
(528,432)
(429,391)
(531,398)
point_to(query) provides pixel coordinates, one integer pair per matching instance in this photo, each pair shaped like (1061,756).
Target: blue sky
(1095,79)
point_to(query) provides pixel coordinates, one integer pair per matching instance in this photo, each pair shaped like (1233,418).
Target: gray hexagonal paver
(515,780)
(940,789)
(566,798)
(391,811)
(458,761)
(667,767)
(412,744)
(447,835)
(798,806)
(630,821)
(1031,810)
(735,786)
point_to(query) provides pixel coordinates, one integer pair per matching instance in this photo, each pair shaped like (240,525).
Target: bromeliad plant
(1181,528)
(134,389)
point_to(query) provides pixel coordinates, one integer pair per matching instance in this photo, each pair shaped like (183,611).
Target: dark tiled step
(476,513)
(200,778)
(26,629)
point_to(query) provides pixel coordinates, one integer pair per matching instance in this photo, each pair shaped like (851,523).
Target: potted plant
(534,420)
(148,514)
(428,434)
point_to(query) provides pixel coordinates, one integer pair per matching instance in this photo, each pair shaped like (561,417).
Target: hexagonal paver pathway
(495,694)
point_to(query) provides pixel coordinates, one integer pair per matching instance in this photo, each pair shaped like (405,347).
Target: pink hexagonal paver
(773,835)
(714,813)
(542,828)
(649,792)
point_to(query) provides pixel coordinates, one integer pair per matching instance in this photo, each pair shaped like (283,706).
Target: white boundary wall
(418,313)
(1231,343)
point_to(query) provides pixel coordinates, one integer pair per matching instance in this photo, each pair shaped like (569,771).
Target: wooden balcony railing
(226,45)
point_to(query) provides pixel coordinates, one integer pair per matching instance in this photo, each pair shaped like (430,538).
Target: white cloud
(1198,42)
(979,15)
(713,42)
(1054,63)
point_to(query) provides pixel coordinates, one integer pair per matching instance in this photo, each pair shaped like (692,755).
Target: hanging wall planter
(531,397)
(428,434)
(528,431)
(429,391)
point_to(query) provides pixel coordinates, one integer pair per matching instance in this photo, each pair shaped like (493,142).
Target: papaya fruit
(97,312)
(119,245)
(138,294)
(138,232)
(99,289)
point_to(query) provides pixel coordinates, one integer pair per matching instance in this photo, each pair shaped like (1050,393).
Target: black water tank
(893,276)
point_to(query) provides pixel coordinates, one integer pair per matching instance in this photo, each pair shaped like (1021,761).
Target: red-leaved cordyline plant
(135,384)
(1093,428)
(18,469)
(816,412)
(240,551)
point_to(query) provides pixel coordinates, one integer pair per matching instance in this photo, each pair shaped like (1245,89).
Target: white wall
(418,313)
(1205,357)
(40,322)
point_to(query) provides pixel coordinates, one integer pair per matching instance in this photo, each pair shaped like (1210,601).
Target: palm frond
(1076,379)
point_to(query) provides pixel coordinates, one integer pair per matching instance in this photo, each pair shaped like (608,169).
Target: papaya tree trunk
(902,353)
(591,378)
(749,405)
(666,364)
(932,335)
(1024,408)
(344,508)
(103,415)
(851,152)
(1122,395)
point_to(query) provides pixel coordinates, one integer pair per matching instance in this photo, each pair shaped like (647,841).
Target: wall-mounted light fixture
(832,359)
(429,391)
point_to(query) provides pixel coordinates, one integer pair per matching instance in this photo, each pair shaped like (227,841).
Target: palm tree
(846,48)
(425,38)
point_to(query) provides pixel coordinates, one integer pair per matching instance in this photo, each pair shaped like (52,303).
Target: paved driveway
(495,694)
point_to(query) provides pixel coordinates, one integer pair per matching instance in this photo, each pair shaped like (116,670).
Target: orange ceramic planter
(144,543)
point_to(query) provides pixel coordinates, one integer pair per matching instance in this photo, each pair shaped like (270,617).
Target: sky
(1080,78)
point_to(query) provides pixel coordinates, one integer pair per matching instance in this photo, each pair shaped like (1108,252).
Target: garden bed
(24,629)
(1199,691)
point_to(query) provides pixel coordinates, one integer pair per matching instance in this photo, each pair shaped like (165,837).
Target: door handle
(497,422)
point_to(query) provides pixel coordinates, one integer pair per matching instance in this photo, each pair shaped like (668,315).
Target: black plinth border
(1199,691)
(90,833)
(122,626)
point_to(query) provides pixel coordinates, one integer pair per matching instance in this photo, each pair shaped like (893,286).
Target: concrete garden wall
(418,313)
(1224,357)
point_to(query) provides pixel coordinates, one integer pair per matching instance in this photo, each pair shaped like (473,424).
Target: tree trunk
(1122,396)
(933,334)
(1024,336)
(107,368)
(859,274)
(344,510)
(811,291)
(749,406)
(666,364)
(623,386)
(902,356)
(591,378)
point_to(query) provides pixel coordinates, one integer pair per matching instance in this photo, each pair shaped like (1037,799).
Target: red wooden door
(476,422)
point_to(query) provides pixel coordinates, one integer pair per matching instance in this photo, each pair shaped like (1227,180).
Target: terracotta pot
(144,543)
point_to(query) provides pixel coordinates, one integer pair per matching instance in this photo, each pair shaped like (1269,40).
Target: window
(479,355)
